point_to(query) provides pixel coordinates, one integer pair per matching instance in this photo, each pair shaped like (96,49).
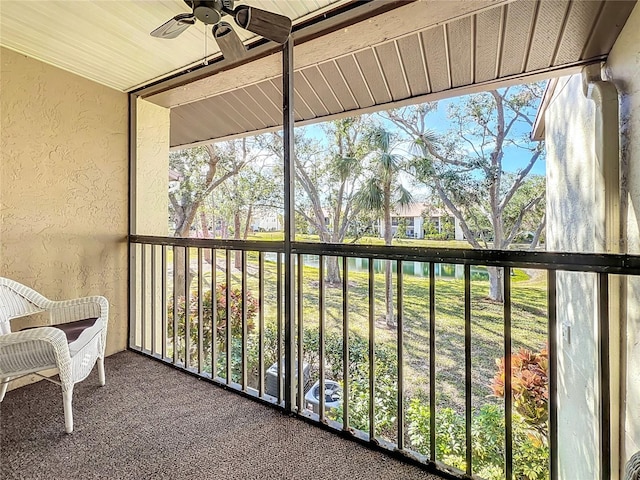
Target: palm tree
(382,192)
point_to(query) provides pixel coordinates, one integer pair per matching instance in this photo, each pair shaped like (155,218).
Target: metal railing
(194,304)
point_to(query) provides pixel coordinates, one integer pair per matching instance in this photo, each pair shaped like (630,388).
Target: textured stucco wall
(152,167)
(63,185)
(573,224)
(623,66)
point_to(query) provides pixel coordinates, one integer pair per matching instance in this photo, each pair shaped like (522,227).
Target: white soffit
(421,51)
(108,41)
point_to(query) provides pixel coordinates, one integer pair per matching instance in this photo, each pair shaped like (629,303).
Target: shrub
(386,392)
(530,387)
(530,458)
(207,318)
(530,449)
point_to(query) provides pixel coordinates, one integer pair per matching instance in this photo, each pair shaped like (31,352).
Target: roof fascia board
(537,132)
(431,97)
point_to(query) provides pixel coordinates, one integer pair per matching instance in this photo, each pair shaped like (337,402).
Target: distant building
(412,217)
(266,220)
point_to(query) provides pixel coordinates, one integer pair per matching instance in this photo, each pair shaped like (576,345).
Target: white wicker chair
(72,342)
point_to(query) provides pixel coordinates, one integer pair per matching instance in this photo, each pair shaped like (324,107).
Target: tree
(327,175)
(200,170)
(253,187)
(466,167)
(381,192)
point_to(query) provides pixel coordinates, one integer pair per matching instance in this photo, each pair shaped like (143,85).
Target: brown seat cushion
(72,330)
(78,333)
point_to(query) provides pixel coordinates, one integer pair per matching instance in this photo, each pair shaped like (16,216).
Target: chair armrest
(33,350)
(78,309)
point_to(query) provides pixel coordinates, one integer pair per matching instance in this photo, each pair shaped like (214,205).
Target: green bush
(438,236)
(207,319)
(530,447)
(530,456)
(386,391)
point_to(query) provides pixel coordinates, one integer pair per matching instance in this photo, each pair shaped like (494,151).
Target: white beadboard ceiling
(108,41)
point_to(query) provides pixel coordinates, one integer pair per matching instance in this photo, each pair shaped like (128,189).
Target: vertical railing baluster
(321,303)
(400,339)
(228,313)
(432,361)
(345,343)
(508,395)
(132,294)
(187,317)
(153,299)
(467,366)
(214,315)
(163,299)
(372,358)
(553,372)
(245,332)
(143,297)
(603,376)
(300,372)
(279,361)
(174,251)
(200,315)
(261,324)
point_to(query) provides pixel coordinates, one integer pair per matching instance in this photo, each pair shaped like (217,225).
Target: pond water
(416,269)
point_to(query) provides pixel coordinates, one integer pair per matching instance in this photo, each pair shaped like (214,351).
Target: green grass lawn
(528,317)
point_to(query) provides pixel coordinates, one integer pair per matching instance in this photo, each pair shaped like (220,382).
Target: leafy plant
(530,457)
(530,387)
(386,392)
(236,304)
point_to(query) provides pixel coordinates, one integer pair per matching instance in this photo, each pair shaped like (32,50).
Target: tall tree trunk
(388,273)
(183,274)
(332,277)
(236,236)
(538,233)
(204,224)
(496,284)
(247,226)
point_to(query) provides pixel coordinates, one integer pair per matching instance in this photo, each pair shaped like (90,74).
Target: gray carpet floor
(151,421)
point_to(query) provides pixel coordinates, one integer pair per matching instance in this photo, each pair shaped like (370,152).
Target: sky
(514,158)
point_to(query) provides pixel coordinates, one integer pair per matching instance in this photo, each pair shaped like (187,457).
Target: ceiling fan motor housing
(208,12)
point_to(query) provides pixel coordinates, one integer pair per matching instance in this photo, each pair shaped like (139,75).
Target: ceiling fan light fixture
(271,26)
(228,40)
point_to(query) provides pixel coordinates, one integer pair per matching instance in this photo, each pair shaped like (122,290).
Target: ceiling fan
(271,26)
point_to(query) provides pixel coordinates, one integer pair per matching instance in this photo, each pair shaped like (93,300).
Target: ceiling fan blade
(271,26)
(175,26)
(228,40)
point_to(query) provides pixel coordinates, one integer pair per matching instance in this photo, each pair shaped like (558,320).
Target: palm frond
(403,197)
(370,196)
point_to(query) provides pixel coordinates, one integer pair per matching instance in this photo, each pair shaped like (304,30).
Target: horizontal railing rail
(568,261)
(221,244)
(216,309)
